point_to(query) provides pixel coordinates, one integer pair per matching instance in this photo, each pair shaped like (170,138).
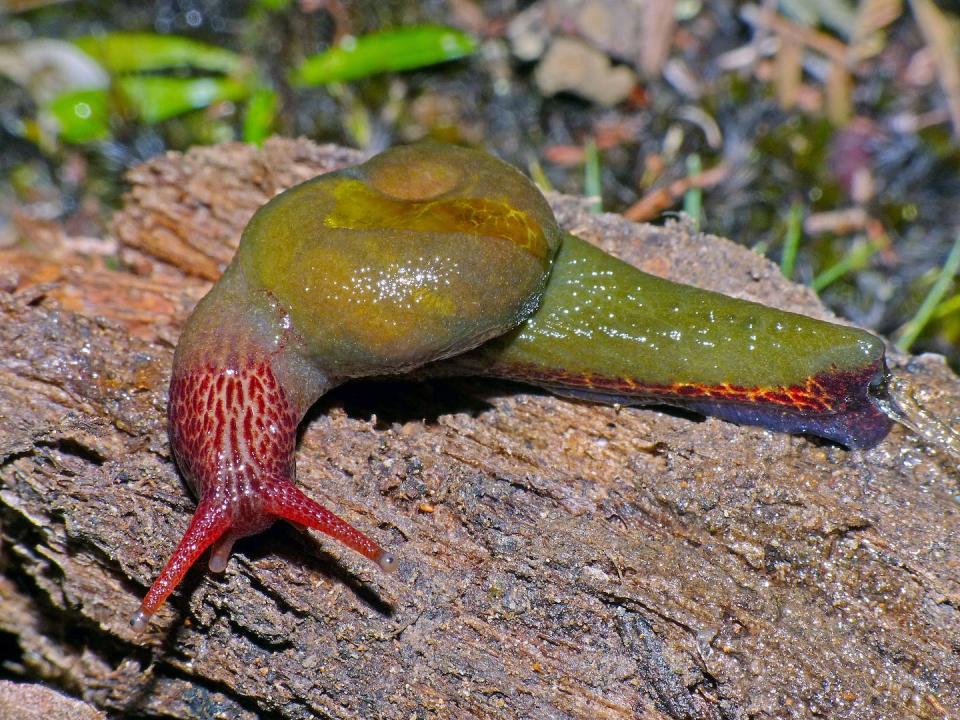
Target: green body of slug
(417,258)
(425,252)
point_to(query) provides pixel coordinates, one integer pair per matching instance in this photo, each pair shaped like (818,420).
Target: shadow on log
(558,559)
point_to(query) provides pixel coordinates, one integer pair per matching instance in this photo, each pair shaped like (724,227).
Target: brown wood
(559,559)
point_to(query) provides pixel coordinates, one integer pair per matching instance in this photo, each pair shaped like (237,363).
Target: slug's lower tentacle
(220,554)
(210,521)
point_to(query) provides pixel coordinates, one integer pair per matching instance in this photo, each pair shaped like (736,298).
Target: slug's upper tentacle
(288,502)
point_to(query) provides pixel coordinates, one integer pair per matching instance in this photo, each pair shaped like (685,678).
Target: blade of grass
(693,197)
(947,307)
(911,329)
(260,114)
(853,260)
(399,49)
(791,242)
(591,177)
(138,52)
(540,179)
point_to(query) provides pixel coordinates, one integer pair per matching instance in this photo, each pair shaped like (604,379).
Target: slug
(448,260)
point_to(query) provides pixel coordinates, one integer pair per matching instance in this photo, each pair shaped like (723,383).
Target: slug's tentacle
(210,521)
(288,502)
(220,555)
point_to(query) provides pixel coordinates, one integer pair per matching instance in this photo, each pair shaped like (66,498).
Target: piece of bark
(23,701)
(558,559)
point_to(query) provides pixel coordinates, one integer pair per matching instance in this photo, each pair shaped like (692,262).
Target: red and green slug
(448,258)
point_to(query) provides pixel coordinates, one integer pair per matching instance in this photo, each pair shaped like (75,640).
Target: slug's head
(421,253)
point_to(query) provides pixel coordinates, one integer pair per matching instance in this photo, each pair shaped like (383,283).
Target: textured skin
(242,415)
(233,433)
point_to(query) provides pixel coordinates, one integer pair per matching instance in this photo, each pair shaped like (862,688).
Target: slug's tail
(209,523)
(607,331)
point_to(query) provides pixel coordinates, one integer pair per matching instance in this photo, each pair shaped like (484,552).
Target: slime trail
(898,400)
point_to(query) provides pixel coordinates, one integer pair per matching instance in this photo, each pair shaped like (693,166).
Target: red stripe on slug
(834,404)
(811,397)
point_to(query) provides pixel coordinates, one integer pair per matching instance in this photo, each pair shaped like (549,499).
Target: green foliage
(404,48)
(260,116)
(693,198)
(155,98)
(82,115)
(273,5)
(141,90)
(121,53)
(856,259)
(791,243)
(928,308)
(591,171)
(154,78)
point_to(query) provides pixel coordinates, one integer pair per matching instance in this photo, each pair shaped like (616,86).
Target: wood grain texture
(558,559)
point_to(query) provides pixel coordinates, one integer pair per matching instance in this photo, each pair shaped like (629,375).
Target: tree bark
(558,559)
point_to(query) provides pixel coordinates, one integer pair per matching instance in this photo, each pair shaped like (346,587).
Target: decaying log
(559,559)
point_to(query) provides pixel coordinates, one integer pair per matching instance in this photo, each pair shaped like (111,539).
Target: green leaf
(854,260)
(138,52)
(259,116)
(81,115)
(388,50)
(155,98)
